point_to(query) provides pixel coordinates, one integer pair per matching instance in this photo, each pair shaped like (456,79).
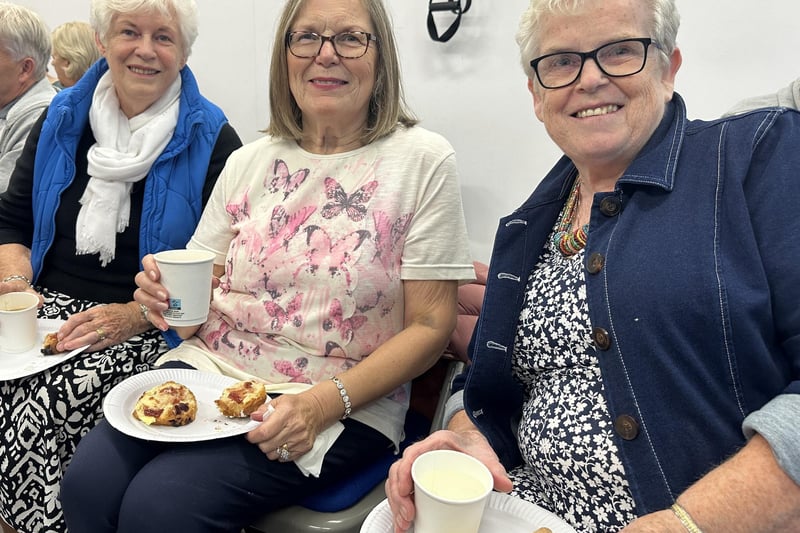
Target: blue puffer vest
(173,196)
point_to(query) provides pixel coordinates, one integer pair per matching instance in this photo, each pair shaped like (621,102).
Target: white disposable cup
(450,492)
(18,330)
(186,274)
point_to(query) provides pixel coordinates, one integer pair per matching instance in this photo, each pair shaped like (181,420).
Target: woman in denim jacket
(641,315)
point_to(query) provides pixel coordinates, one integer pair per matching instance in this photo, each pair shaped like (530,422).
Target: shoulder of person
(417,136)
(34,101)
(788,96)
(262,148)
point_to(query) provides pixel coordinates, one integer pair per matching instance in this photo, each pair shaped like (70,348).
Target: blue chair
(344,507)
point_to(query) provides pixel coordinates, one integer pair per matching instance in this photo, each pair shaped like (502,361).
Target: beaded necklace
(570,241)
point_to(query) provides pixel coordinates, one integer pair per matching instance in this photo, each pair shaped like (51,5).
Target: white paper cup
(450,492)
(186,274)
(18,332)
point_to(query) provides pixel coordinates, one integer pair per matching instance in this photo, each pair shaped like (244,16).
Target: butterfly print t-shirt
(316,247)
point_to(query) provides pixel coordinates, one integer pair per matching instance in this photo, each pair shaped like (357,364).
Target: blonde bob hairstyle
(102,12)
(74,41)
(387,106)
(665,22)
(23,34)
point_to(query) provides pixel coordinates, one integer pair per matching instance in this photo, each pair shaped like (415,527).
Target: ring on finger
(100,334)
(283,453)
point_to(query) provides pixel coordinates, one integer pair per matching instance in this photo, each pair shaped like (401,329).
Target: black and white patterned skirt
(43,416)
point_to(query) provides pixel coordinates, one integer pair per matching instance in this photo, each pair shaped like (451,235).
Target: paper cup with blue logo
(186,274)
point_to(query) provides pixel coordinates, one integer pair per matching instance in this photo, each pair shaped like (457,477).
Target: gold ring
(100,333)
(283,453)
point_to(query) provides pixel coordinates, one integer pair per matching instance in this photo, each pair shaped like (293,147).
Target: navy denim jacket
(693,287)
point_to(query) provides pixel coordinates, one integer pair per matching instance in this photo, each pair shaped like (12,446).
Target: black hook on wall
(454,7)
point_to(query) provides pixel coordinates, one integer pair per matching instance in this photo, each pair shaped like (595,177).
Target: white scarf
(123,154)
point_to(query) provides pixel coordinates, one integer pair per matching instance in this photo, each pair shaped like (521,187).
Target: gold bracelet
(685,518)
(18,277)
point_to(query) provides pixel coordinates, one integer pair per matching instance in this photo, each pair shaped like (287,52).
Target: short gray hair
(664,31)
(185,11)
(23,34)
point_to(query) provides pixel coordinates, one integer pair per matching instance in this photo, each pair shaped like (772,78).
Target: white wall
(472,89)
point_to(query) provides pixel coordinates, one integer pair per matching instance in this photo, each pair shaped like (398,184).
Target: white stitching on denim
(496,346)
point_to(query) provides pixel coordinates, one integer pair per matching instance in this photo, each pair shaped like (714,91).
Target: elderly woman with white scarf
(119,166)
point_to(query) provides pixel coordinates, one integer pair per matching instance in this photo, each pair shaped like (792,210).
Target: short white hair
(103,11)
(665,22)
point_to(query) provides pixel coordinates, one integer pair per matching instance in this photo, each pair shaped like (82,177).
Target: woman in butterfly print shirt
(340,244)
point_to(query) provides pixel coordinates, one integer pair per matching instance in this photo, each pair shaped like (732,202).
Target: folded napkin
(310,463)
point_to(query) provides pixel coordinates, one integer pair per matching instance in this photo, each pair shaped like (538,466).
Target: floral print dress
(571,463)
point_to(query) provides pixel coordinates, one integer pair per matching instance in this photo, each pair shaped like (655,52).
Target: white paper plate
(503,514)
(19,365)
(209,423)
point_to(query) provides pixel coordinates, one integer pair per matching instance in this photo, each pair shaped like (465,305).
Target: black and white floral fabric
(572,466)
(43,416)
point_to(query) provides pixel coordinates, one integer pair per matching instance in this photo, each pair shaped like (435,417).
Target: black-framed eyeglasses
(616,59)
(347,44)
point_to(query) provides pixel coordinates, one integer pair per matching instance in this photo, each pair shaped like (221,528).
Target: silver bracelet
(18,277)
(348,407)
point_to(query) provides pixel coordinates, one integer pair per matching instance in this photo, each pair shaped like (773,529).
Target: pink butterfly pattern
(339,201)
(283,227)
(225,282)
(281,316)
(388,235)
(219,336)
(261,245)
(315,268)
(239,211)
(345,326)
(283,180)
(249,351)
(293,369)
(335,256)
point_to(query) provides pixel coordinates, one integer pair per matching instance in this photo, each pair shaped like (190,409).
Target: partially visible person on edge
(24,88)
(340,243)
(74,51)
(117,167)
(636,363)
(788,96)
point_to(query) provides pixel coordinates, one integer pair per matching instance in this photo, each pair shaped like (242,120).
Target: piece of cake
(49,344)
(168,404)
(242,398)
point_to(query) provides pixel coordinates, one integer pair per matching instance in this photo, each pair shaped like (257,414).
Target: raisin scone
(242,398)
(49,344)
(168,404)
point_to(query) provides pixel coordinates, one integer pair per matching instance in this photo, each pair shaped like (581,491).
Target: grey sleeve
(777,422)
(786,97)
(454,404)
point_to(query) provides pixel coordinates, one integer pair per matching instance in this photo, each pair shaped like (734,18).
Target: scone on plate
(242,398)
(168,404)
(49,344)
